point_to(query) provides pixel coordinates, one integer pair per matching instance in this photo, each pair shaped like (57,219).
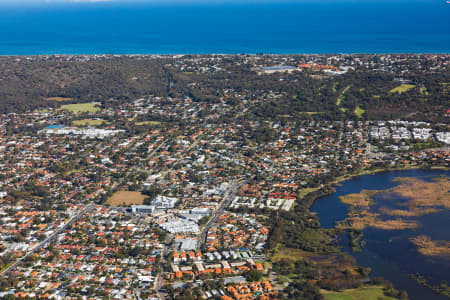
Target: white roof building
(180,226)
(163,202)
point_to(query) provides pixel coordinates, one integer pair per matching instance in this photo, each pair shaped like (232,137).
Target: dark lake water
(389,253)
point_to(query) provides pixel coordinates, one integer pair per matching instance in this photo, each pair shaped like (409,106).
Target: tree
(152,192)
(254,275)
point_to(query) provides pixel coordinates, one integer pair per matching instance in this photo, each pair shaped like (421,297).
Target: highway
(49,239)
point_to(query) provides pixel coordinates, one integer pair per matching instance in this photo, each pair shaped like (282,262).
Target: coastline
(226,53)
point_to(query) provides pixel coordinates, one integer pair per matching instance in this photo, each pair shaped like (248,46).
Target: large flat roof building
(144,209)
(163,202)
(274,69)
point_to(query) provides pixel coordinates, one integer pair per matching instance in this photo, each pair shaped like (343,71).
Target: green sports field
(81,107)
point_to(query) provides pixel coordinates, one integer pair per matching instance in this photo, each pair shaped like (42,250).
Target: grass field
(148,123)
(359,111)
(58,99)
(126,198)
(81,107)
(336,261)
(402,88)
(424,91)
(72,172)
(89,122)
(288,254)
(335,87)
(366,293)
(309,113)
(303,192)
(43,110)
(341,96)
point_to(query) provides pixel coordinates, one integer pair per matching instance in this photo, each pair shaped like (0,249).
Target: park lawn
(73,171)
(89,122)
(335,87)
(148,123)
(341,96)
(424,91)
(366,293)
(126,198)
(303,192)
(359,111)
(81,107)
(402,88)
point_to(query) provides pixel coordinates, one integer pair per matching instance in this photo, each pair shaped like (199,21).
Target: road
(156,149)
(163,264)
(229,196)
(49,239)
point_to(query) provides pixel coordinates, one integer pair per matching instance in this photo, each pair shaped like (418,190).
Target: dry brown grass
(413,212)
(361,199)
(423,198)
(396,224)
(424,193)
(126,198)
(58,99)
(372,220)
(428,247)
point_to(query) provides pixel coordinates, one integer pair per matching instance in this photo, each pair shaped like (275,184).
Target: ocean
(286,28)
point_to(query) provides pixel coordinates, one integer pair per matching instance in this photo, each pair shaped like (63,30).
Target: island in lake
(421,197)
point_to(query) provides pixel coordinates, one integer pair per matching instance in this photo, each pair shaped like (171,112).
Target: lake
(389,253)
(285,27)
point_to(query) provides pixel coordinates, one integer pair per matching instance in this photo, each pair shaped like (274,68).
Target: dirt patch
(126,198)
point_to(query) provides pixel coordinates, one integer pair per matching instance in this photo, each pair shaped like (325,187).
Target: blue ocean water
(297,27)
